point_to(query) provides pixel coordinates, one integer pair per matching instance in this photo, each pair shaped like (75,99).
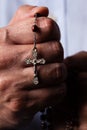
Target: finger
(3,36)
(46,96)
(50,51)
(43,11)
(52,73)
(47,74)
(82,86)
(21,33)
(35,99)
(22,79)
(77,62)
(21,13)
(27,11)
(15,56)
(82,79)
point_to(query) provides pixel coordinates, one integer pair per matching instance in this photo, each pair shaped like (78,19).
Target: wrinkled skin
(19,98)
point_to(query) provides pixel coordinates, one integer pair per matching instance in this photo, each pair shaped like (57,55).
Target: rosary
(35,61)
(46,114)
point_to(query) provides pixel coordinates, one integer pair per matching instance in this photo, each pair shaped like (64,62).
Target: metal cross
(35,61)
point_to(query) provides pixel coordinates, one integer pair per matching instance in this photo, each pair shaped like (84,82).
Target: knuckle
(61,49)
(58,50)
(21,9)
(15,105)
(3,83)
(61,72)
(55,46)
(58,71)
(16,102)
(3,36)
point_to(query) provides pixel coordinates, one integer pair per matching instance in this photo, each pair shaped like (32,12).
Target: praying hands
(20,99)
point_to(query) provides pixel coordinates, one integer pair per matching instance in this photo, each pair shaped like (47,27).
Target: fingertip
(26,11)
(43,11)
(22,13)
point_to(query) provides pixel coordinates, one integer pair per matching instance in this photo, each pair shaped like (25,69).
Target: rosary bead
(34,28)
(44,125)
(37,15)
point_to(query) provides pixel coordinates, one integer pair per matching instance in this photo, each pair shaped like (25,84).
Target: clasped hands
(19,98)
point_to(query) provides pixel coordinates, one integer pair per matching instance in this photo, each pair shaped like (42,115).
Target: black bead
(37,15)
(34,28)
(44,125)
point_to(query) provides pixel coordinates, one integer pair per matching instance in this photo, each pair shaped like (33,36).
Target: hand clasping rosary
(46,118)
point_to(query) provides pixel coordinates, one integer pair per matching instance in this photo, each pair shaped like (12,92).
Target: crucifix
(35,61)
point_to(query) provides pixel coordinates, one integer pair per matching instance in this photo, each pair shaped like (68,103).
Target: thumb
(27,11)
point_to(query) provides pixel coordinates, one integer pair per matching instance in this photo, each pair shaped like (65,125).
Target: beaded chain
(35,61)
(46,118)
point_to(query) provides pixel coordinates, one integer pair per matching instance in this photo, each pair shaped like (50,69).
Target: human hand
(77,79)
(19,97)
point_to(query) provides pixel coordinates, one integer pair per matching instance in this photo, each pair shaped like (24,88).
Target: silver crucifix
(35,61)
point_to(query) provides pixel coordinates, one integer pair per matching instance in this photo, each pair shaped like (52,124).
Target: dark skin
(78,72)
(75,104)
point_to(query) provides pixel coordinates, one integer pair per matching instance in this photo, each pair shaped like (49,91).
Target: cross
(35,61)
